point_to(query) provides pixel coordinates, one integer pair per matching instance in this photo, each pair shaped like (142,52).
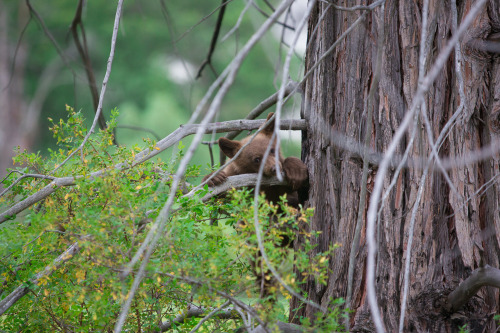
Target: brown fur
(250,159)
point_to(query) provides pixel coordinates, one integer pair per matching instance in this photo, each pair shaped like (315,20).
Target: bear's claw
(295,172)
(217,180)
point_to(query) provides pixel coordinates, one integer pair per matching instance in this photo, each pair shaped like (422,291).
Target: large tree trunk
(454,233)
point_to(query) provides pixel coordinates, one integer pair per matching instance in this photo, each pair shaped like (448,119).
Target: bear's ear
(229,147)
(269,129)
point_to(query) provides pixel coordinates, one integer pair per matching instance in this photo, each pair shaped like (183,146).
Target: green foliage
(206,252)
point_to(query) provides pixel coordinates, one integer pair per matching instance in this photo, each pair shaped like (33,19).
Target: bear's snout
(270,169)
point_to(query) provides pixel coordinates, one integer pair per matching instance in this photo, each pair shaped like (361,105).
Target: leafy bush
(203,259)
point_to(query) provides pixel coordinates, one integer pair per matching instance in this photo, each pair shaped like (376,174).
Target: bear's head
(251,157)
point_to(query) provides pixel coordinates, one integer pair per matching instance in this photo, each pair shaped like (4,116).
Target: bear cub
(250,159)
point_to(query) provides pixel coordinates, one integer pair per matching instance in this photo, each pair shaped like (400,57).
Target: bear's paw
(295,172)
(217,180)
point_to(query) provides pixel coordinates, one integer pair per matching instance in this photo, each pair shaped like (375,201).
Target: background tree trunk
(454,233)
(12,105)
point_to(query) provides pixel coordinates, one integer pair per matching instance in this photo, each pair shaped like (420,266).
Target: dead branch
(84,54)
(36,197)
(282,327)
(23,289)
(103,87)
(140,128)
(46,31)
(359,7)
(197,312)
(481,277)
(215,36)
(260,10)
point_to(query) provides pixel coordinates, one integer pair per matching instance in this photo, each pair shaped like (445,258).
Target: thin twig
(236,302)
(104,85)
(284,79)
(196,311)
(49,35)
(84,54)
(215,36)
(24,175)
(356,8)
(238,22)
(185,33)
(210,315)
(260,10)
(140,128)
(421,72)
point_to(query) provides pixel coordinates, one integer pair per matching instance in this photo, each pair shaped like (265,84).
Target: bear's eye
(272,151)
(256,160)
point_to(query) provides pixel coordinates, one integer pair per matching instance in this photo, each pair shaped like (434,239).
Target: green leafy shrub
(202,260)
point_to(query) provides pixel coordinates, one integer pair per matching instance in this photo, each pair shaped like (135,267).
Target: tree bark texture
(455,233)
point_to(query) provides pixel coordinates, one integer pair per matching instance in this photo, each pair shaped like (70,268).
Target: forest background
(154,85)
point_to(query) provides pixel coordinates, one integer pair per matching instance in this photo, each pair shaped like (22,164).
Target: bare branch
(211,314)
(236,302)
(198,23)
(238,23)
(139,128)
(23,289)
(49,35)
(421,72)
(36,197)
(104,83)
(84,54)
(194,312)
(481,277)
(260,10)
(282,327)
(23,175)
(215,36)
